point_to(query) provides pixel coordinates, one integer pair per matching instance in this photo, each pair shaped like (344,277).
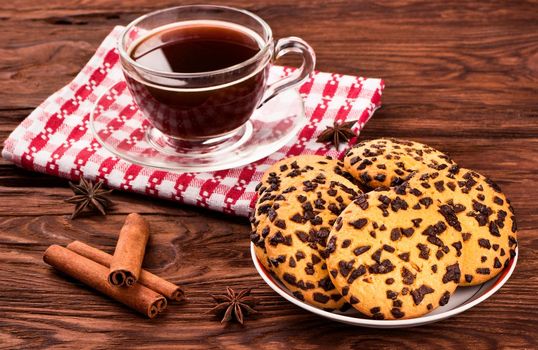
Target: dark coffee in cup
(199,72)
(195,48)
(190,48)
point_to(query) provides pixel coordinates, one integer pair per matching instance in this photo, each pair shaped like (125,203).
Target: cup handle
(291,45)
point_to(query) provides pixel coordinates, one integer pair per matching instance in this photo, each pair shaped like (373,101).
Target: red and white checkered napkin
(55,139)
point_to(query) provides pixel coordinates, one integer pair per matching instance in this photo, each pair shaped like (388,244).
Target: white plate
(463,299)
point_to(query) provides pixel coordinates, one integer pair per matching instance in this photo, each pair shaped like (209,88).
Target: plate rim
(502,278)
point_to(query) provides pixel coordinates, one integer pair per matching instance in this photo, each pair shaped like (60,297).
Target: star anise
(339,132)
(88,195)
(234,305)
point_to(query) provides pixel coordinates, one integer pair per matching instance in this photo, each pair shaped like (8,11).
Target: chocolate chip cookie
(388,162)
(477,209)
(296,231)
(293,171)
(393,255)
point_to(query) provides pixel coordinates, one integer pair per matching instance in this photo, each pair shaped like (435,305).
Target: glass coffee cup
(198,73)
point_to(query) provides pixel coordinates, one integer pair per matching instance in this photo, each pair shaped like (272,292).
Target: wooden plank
(475,66)
(461,76)
(204,254)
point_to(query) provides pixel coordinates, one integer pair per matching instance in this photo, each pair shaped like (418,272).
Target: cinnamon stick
(153,282)
(138,297)
(126,263)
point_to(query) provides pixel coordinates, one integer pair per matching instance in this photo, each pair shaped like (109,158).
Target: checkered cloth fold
(54,139)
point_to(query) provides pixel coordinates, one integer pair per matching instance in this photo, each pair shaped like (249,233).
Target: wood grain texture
(461,76)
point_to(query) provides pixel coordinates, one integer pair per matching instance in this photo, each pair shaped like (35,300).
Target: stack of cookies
(392,230)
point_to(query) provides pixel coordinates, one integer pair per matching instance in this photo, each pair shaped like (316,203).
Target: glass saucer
(121,128)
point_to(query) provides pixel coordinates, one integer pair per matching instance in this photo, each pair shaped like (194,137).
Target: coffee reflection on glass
(198,73)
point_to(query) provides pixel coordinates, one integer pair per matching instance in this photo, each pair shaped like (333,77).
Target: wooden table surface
(461,76)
